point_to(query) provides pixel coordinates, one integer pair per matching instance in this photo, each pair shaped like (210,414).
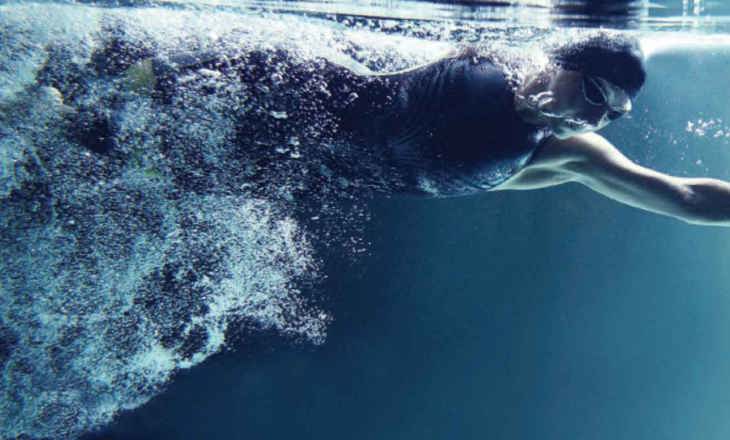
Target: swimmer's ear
(539,102)
(543,100)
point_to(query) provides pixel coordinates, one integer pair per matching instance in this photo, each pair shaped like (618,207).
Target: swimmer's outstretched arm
(594,162)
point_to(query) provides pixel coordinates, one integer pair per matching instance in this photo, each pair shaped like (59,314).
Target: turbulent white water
(111,276)
(124,260)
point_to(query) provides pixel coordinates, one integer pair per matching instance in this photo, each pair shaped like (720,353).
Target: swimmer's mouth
(578,127)
(567,129)
(577,124)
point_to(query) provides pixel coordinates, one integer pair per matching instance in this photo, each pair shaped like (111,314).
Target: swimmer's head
(614,57)
(591,83)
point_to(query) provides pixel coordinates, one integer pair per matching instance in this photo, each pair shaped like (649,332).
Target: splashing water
(112,277)
(127,257)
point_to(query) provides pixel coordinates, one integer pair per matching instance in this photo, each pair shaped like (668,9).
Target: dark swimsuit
(451,129)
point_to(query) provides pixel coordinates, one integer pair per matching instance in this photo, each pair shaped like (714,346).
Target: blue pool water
(133,306)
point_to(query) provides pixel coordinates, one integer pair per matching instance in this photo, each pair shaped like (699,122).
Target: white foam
(109,283)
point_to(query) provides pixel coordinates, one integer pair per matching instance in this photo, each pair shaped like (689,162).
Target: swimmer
(543,133)
(459,125)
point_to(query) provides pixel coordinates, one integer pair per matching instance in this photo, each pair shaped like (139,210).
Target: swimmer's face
(581,103)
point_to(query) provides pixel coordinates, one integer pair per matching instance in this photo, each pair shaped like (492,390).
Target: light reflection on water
(698,15)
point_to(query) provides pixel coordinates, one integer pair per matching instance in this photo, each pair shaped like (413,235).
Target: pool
(156,285)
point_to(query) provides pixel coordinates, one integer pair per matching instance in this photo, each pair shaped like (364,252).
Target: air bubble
(279,114)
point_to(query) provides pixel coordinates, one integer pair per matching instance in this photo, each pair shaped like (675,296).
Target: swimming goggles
(597,91)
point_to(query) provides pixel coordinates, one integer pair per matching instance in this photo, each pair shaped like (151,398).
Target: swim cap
(614,57)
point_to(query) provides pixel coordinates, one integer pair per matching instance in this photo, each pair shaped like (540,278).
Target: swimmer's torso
(449,127)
